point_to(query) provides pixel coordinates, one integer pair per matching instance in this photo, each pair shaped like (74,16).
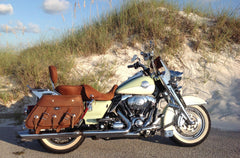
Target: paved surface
(218,144)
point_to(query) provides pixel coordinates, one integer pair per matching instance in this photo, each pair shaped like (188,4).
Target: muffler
(27,136)
(97,133)
(110,133)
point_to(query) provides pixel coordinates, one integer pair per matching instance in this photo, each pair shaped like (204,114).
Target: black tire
(192,135)
(62,145)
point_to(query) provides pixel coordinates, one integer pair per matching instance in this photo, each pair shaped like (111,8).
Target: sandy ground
(218,144)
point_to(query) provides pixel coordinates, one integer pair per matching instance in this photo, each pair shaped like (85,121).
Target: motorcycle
(65,116)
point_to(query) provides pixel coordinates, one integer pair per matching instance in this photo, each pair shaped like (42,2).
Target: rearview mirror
(135,57)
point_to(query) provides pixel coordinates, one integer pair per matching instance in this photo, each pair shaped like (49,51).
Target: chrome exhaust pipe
(97,133)
(149,120)
(110,133)
(27,136)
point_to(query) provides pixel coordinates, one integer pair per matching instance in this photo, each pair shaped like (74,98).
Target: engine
(140,104)
(140,107)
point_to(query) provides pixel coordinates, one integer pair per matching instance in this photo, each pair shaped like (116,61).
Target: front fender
(168,119)
(191,100)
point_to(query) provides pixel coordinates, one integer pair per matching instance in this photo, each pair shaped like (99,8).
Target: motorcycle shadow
(153,139)
(160,140)
(9,137)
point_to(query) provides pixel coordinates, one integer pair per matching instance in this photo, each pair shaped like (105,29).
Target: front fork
(174,98)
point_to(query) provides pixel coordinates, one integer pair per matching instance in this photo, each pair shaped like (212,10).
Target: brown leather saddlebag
(55,112)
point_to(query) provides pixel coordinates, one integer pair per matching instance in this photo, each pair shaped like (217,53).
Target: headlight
(176,76)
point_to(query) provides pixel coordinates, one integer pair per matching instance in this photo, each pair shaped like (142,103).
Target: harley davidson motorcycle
(64,117)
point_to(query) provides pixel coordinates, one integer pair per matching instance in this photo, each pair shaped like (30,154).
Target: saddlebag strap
(42,121)
(65,120)
(35,121)
(73,120)
(54,121)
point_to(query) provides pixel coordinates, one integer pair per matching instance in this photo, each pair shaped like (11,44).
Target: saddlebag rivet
(54,116)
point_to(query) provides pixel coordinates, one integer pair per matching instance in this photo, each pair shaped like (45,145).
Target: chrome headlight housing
(176,76)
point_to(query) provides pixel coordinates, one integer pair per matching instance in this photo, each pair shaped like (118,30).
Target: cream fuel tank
(137,84)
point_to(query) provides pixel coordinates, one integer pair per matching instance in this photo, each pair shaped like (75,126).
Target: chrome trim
(89,105)
(127,135)
(149,120)
(26,135)
(124,97)
(40,92)
(118,125)
(53,86)
(145,84)
(165,78)
(110,133)
(168,133)
(153,127)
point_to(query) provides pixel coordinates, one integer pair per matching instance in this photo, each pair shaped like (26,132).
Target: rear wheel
(191,135)
(62,145)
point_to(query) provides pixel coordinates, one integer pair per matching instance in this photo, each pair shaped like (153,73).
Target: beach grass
(136,21)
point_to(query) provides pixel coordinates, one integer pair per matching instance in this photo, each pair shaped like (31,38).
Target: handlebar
(135,65)
(130,66)
(146,56)
(138,64)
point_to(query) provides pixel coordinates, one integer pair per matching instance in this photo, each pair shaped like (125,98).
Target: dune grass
(226,29)
(7,61)
(136,21)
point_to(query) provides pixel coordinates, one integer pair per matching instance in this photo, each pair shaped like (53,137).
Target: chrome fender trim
(191,100)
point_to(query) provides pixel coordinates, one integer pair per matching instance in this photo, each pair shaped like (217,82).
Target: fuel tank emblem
(145,84)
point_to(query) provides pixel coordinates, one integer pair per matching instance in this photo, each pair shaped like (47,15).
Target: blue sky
(24,22)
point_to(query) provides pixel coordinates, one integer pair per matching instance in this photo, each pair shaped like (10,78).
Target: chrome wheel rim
(61,141)
(190,132)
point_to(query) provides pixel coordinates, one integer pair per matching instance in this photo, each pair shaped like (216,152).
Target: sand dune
(212,77)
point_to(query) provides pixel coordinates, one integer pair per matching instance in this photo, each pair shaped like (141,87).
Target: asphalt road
(219,144)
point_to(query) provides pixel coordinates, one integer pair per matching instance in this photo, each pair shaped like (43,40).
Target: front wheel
(191,135)
(62,145)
